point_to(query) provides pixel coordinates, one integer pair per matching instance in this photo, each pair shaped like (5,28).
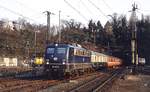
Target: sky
(82,11)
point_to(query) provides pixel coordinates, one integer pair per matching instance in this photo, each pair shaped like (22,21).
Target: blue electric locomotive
(66,59)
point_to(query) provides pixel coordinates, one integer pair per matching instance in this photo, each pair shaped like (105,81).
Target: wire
(145,10)
(31,9)
(16,13)
(27,7)
(76,10)
(98,9)
(108,6)
(86,7)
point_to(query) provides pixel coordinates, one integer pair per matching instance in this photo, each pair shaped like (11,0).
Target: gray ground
(132,83)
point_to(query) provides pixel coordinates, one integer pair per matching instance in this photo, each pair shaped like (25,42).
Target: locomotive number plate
(55,66)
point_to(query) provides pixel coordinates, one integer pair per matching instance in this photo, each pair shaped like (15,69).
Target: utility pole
(48,33)
(134,35)
(94,33)
(35,41)
(94,37)
(28,49)
(59,28)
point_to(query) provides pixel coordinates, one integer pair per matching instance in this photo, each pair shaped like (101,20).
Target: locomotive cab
(64,59)
(55,59)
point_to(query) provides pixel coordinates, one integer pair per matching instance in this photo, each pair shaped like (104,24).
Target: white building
(11,25)
(4,61)
(17,26)
(8,24)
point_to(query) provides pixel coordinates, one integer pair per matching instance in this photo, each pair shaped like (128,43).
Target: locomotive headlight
(47,63)
(63,63)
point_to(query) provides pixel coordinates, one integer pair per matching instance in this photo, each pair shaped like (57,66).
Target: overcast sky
(33,9)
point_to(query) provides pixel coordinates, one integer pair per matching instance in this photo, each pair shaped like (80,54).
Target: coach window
(61,50)
(50,50)
(72,52)
(79,52)
(76,52)
(83,53)
(89,54)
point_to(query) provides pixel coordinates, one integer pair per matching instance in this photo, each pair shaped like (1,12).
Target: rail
(97,83)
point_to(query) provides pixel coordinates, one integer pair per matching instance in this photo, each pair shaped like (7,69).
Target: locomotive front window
(50,50)
(61,50)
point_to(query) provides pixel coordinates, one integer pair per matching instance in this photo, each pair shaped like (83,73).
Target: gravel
(132,83)
(63,87)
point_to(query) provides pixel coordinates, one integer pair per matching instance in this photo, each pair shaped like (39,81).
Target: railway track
(26,85)
(24,82)
(141,70)
(97,84)
(33,85)
(71,83)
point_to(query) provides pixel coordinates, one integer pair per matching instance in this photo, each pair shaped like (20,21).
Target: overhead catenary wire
(108,5)
(16,13)
(98,9)
(27,7)
(86,7)
(144,10)
(76,10)
(30,9)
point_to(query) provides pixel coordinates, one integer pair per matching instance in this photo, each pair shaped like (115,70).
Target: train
(63,60)
(37,60)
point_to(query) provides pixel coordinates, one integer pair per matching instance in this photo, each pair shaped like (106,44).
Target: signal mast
(134,49)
